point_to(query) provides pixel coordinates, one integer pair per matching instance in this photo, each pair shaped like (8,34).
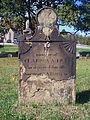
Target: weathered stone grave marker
(47,63)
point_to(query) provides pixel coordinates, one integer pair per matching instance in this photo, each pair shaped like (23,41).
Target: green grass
(8,49)
(14,45)
(10,109)
(83,50)
(8,87)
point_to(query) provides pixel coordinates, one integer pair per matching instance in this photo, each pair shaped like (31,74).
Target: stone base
(41,89)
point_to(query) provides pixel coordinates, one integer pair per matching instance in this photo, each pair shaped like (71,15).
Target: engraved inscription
(56,65)
(47,62)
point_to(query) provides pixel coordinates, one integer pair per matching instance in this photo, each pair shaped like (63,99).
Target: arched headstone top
(47,63)
(46,17)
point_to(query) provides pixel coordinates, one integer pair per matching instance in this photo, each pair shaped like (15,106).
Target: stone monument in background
(47,63)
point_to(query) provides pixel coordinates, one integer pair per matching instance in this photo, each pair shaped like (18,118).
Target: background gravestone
(47,63)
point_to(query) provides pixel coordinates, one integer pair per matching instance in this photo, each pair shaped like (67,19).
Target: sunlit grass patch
(10,109)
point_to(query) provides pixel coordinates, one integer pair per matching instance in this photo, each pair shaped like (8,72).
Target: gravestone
(47,63)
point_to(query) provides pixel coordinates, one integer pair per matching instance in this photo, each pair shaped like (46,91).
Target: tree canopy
(82,40)
(14,13)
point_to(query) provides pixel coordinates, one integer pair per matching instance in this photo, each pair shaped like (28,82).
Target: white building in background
(11,35)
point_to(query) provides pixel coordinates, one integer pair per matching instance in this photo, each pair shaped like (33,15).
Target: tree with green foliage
(14,13)
(87,40)
(80,39)
(75,14)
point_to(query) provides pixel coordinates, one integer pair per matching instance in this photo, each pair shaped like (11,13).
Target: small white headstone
(27,24)
(9,55)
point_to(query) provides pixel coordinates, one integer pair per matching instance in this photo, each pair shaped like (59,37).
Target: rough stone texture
(46,17)
(41,89)
(47,63)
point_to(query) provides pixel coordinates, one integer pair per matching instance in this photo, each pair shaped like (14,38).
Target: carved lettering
(55,65)
(49,55)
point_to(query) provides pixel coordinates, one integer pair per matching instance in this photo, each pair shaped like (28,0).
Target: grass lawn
(11,110)
(83,50)
(14,45)
(8,49)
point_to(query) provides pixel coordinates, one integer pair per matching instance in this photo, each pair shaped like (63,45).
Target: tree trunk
(30,24)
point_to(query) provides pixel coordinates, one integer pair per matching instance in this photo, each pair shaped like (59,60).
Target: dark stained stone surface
(46,53)
(54,58)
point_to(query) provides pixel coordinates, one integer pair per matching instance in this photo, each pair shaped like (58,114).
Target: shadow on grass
(83,97)
(1,46)
(84,53)
(9,54)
